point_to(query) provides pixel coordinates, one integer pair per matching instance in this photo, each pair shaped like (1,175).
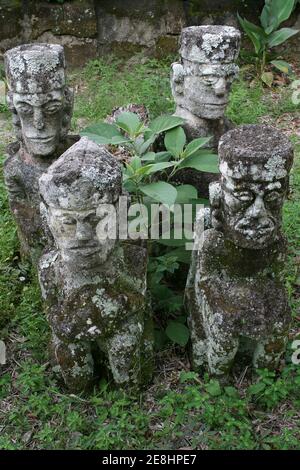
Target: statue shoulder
(212,249)
(47,268)
(11,162)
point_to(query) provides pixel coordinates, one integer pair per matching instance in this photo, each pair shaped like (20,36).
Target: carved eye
(273,197)
(92,219)
(52,108)
(68,221)
(210,79)
(244,196)
(25,108)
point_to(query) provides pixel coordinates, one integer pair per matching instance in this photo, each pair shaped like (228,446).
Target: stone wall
(87,28)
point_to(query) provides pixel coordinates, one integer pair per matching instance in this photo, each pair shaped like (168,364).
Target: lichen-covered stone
(41,106)
(200,85)
(235,287)
(94,288)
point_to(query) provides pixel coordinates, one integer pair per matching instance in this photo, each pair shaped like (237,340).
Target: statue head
(247,204)
(38,97)
(76,191)
(201,82)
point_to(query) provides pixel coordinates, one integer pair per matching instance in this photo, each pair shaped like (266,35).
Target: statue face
(75,234)
(206,91)
(41,117)
(252,211)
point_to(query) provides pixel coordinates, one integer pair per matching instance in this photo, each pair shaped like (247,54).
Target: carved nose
(83,231)
(38,119)
(258,210)
(220,87)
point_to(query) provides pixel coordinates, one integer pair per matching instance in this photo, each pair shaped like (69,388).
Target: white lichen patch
(107,306)
(275,168)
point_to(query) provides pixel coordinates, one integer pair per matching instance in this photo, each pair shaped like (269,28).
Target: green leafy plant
(167,300)
(267,36)
(131,133)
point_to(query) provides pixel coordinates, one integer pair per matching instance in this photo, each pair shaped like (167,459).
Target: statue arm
(15,188)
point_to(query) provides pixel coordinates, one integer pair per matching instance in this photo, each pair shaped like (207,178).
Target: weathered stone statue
(201,81)
(200,85)
(235,294)
(94,287)
(42,105)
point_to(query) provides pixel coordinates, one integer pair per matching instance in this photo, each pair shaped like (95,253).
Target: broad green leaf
(165,123)
(213,388)
(162,156)
(129,185)
(282,66)
(116,140)
(231,392)
(178,333)
(182,255)
(255,33)
(135,163)
(160,339)
(158,167)
(280,36)
(101,140)
(187,376)
(185,193)
(98,139)
(256,389)
(275,12)
(175,141)
(146,144)
(195,145)
(102,129)
(160,191)
(267,78)
(202,162)
(265,17)
(149,157)
(129,122)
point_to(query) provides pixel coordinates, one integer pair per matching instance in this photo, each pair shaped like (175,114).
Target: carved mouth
(41,140)
(257,233)
(85,250)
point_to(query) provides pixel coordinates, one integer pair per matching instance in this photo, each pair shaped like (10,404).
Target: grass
(105,84)
(179,409)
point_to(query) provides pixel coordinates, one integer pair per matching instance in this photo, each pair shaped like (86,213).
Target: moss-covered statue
(235,294)
(94,287)
(201,84)
(42,105)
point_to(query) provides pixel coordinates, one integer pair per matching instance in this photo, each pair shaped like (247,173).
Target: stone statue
(200,85)
(94,287)
(235,294)
(41,105)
